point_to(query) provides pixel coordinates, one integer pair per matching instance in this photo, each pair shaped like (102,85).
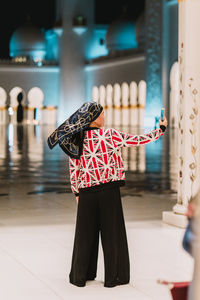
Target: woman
(96,174)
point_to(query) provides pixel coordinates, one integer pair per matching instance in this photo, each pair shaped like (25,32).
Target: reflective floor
(38,214)
(26,158)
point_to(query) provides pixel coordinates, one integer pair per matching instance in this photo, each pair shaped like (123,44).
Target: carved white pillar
(174,95)
(189,110)
(125,104)
(109,105)
(102,99)
(133,104)
(117,104)
(14,103)
(141,102)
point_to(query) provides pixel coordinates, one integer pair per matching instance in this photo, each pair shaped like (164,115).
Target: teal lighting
(97,46)
(154,155)
(52,47)
(152,110)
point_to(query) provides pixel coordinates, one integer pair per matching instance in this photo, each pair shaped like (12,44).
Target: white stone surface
(172,218)
(36,242)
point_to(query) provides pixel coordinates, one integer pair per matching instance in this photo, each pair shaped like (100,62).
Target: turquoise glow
(154,155)
(97,49)
(153,101)
(52,50)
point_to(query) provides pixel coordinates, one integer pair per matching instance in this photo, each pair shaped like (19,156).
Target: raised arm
(74,165)
(122,139)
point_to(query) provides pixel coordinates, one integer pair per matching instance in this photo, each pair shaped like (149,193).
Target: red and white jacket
(101,160)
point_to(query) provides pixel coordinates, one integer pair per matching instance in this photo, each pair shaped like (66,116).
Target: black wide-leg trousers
(100,211)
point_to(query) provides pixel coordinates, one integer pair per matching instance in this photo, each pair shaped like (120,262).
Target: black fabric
(91,128)
(101,186)
(163,128)
(70,134)
(100,212)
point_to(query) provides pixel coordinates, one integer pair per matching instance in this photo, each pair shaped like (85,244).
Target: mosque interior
(49,74)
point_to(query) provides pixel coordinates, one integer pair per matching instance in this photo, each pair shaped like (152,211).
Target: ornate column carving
(189,109)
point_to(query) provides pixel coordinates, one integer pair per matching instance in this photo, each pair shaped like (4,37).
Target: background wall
(132,69)
(46,78)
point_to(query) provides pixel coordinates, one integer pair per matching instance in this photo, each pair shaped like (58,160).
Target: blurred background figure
(20,108)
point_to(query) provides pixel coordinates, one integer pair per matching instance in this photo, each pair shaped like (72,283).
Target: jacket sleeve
(74,168)
(122,139)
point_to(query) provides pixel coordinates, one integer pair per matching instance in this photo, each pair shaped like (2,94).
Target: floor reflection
(25,159)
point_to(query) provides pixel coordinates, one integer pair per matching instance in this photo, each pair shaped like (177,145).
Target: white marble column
(102,95)
(125,104)
(117,104)
(133,104)
(95,94)
(3,108)
(189,111)
(109,105)
(141,102)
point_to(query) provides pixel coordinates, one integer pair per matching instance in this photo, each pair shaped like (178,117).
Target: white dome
(28,41)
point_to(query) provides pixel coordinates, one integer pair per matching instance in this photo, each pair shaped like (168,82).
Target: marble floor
(38,214)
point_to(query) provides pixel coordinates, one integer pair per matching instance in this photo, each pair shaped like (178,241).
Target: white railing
(123,104)
(34,112)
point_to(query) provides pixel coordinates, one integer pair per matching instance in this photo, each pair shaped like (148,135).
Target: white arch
(3,97)
(125,94)
(125,103)
(117,95)
(109,104)
(133,93)
(141,101)
(35,97)
(117,104)
(102,95)
(109,94)
(142,93)
(13,96)
(95,94)
(133,104)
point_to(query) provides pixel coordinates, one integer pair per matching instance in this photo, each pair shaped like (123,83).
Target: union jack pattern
(101,159)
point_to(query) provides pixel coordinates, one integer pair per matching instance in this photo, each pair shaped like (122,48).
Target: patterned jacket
(101,160)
